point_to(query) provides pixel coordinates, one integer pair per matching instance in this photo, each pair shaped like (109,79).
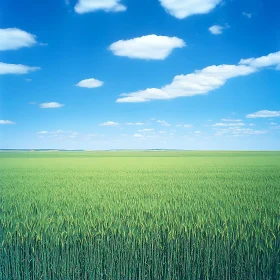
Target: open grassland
(140,215)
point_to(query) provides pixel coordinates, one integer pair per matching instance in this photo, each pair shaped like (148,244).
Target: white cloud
(216,29)
(229,124)
(247,15)
(93,135)
(197,132)
(184,125)
(273,123)
(163,123)
(73,135)
(231,120)
(200,81)
(6,122)
(219,124)
(90,83)
(59,134)
(6,68)
(237,131)
(109,123)
(272,59)
(264,114)
(146,130)
(184,8)
(50,105)
(137,123)
(147,47)
(86,6)
(138,136)
(14,38)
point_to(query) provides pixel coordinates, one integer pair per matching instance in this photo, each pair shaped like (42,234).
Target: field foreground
(140,215)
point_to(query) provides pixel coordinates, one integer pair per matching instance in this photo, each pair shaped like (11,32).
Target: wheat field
(169,215)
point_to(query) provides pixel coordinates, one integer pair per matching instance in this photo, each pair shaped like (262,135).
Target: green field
(140,215)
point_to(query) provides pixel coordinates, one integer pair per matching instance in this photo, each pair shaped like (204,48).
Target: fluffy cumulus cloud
(163,123)
(184,125)
(87,6)
(231,120)
(109,123)
(248,15)
(237,131)
(6,122)
(51,105)
(136,123)
(90,83)
(147,47)
(217,29)
(229,124)
(146,130)
(138,136)
(59,134)
(184,8)
(19,69)
(264,114)
(14,38)
(273,59)
(201,81)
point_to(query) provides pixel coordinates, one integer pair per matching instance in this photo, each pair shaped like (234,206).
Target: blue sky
(174,74)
